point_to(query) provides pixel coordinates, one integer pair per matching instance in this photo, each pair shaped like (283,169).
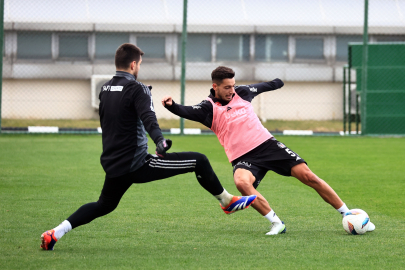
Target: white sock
(272,217)
(343,209)
(224,198)
(62,229)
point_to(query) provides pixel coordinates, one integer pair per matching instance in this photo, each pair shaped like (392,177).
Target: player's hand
(167,100)
(162,147)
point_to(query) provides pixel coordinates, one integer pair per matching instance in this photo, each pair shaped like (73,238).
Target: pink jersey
(237,127)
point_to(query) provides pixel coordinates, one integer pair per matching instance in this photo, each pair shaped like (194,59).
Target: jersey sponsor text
(113,88)
(236,113)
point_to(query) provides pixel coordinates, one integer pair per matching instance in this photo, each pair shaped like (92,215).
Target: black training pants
(155,168)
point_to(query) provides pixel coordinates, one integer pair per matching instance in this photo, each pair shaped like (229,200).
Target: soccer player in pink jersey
(250,147)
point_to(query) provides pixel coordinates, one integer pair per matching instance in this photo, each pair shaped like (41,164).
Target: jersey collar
(127,75)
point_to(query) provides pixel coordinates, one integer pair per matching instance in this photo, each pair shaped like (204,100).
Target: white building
(53,49)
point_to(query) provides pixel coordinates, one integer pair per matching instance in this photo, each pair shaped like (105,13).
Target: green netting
(384,106)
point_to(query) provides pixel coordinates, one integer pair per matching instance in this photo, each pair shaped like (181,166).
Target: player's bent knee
(201,159)
(243,185)
(202,163)
(107,207)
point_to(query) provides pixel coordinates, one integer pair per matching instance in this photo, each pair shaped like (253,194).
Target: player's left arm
(248,92)
(144,107)
(268,86)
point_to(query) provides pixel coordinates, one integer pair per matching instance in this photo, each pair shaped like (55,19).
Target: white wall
(71,99)
(47,99)
(304,101)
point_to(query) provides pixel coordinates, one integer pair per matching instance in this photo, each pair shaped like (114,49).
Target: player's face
(225,90)
(136,67)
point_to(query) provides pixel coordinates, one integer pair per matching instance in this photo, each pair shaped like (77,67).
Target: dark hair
(221,73)
(125,54)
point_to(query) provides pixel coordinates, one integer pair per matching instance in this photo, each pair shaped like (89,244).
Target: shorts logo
(292,154)
(196,107)
(281,145)
(244,163)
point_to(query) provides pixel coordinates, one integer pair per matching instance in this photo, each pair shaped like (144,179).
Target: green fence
(383,110)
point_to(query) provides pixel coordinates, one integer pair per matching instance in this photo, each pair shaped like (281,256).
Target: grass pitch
(175,224)
(318,126)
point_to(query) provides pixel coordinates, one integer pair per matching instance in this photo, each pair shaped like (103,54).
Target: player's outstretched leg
(176,163)
(306,176)
(113,190)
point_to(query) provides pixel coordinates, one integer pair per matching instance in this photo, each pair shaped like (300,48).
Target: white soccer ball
(356,221)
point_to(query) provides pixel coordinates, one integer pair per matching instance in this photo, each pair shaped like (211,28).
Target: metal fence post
(344,99)
(357,113)
(1,49)
(183,61)
(349,98)
(364,71)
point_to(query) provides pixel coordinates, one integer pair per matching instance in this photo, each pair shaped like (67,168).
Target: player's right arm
(201,112)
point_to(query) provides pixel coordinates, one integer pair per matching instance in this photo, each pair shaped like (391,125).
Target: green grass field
(319,126)
(175,224)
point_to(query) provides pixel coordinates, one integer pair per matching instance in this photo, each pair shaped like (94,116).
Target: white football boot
(371,227)
(277,228)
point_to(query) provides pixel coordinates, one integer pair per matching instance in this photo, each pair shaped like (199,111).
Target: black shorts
(271,155)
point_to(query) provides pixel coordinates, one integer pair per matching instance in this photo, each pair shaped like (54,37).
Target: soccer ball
(356,221)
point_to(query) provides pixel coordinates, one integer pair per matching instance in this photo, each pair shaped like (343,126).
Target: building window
(108,43)
(34,45)
(271,48)
(198,48)
(309,48)
(390,38)
(73,45)
(152,46)
(232,47)
(342,46)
